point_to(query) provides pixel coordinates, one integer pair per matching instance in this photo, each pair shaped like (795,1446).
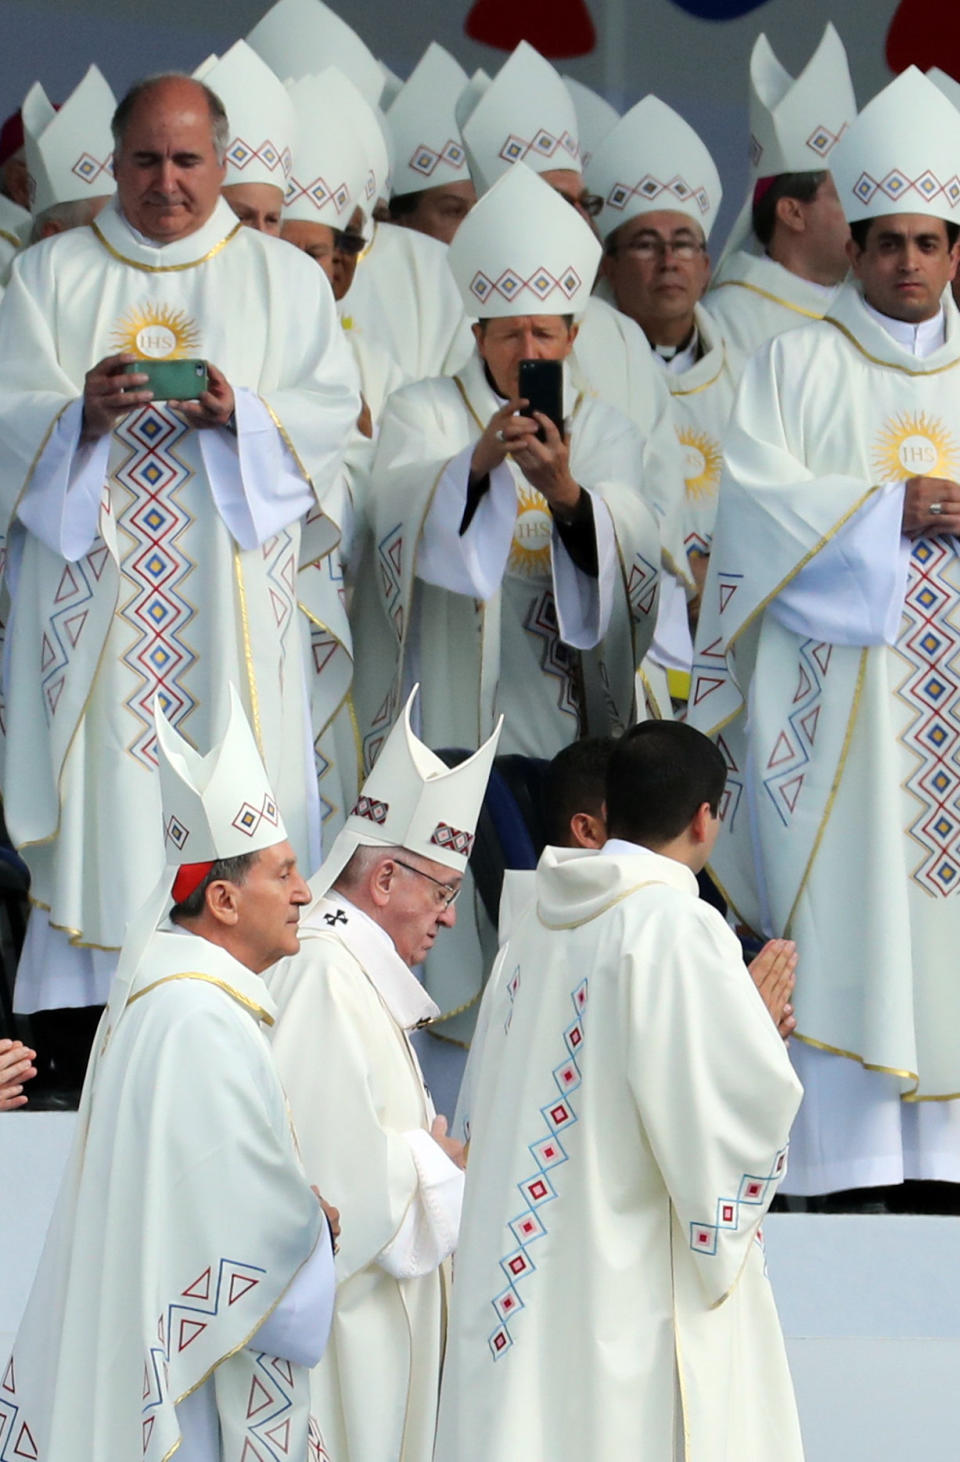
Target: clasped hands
(110,391)
(545,465)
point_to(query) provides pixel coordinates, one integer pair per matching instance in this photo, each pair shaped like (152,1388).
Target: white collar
(398,987)
(921,339)
(618,847)
(683,359)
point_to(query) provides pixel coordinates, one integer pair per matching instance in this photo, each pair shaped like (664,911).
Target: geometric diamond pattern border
(537,1189)
(751,1193)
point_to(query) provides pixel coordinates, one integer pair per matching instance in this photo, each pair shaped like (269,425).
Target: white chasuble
(325,587)
(486,632)
(158,559)
(347,1003)
(828,670)
(610,1298)
(183,1223)
(702,397)
(403,297)
(15,226)
(752,299)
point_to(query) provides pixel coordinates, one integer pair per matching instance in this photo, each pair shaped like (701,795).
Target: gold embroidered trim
(244,1000)
(291,448)
(695,390)
(834,785)
(887,364)
(11,239)
(74,935)
(853,1056)
(767,295)
(165,268)
(247,651)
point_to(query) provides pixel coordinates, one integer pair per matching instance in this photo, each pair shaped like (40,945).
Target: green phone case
(173,380)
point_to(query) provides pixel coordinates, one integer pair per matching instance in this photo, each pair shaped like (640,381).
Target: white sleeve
(851,592)
(61,506)
(297,1329)
(584,603)
(473,562)
(256,485)
(428,1232)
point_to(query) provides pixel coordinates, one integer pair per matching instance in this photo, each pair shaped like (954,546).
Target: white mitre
(220,805)
(413,800)
(330,170)
(303,37)
(596,118)
(69,153)
(427,147)
(526,114)
(945,83)
(794,123)
(902,154)
(259,112)
(467,101)
(522,250)
(651,161)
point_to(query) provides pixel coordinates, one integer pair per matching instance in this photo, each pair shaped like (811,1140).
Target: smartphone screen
(541,383)
(173,380)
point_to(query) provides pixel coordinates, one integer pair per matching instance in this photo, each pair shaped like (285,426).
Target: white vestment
(187,1260)
(610,1298)
(15,226)
(347,1003)
(499,619)
(324,589)
(403,296)
(156,559)
(828,670)
(752,298)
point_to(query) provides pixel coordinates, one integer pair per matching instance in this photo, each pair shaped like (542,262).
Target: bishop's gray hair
(219,125)
(360,863)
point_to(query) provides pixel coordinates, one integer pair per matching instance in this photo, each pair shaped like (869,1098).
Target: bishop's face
(503,343)
(167,171)
(906,265)
(658,268)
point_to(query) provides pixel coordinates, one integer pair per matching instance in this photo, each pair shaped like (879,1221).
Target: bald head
(170,134)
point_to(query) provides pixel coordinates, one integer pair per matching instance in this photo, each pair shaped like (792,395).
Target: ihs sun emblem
(914,444)
(532,532)
(703,462)
(156,332)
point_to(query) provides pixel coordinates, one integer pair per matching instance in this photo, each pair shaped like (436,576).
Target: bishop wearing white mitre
(784,259)
(152,548)
(830,612)
(187,1279)
(348,1004)
(401,295)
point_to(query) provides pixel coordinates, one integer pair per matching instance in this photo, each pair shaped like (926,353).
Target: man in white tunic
(785,257)
(259,152)
(827,664)
(402,296)
(69,154)
(610,1298)
(187,1279)
(432,190)
(114,500)
(513,575)
(348,1004)
(661,192)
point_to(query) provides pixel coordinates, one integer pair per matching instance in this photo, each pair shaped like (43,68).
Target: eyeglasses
(346,243)
(448,895)
(588,203)
(650,247)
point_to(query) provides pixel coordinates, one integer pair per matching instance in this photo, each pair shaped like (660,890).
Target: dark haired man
(792,217)
(832,614)
(187,1280)
(152,544)
(622,1156)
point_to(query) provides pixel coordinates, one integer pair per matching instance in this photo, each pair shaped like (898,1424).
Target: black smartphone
(541,383)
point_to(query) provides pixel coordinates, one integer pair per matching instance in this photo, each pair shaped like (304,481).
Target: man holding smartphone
(519,575)
(152,544)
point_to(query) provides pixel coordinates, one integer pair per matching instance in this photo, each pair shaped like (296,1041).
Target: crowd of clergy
(279,623)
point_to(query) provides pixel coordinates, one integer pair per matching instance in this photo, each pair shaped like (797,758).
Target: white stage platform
(870,1307)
